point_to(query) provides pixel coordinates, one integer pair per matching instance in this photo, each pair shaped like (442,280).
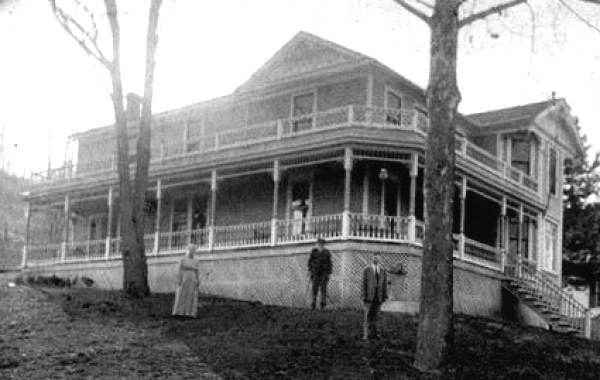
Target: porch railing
(44,254)
(242,235)
(297,230)
(482,253)
(352,226)
(379,227)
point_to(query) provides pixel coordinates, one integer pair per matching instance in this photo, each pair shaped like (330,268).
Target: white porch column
(463,198)
(520,242)
(27,233)
(365,194)
(109,203)
(540,241)
(414,170)
(347,188)
(67,217)
(213,209)
(158,216)
(276,181)
(190,201)
(503,234)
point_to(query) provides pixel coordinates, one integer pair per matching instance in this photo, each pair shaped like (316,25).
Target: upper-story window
(520,157)
(302,111)
(393,104)
(552,169)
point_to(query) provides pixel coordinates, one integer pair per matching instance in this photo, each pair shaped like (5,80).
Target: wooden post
(27,234)
(347,188)
(276,181)
(213,209)
(365,194)
(109,204)
(503,234)
(520,242)
(158,216)
(463,199)
(67,217)
(189,219)
(412,222)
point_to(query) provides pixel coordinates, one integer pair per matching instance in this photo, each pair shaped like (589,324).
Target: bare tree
(83,28)
(435,332)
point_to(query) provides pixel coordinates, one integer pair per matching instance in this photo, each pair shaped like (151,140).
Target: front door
(300,206)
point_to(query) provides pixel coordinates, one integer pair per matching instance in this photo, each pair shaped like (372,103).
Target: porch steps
(530,296)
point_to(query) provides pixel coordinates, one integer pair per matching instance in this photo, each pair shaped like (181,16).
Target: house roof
(303,54)
(525,112)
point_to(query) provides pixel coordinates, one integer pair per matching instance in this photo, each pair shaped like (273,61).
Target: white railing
(297,230)
(482,253)
(149,243)
(377,227)
(199,237)
(44,254)
(242,235)
(390,118)
(173,241)
(486,160)
(85,250)
(115,247)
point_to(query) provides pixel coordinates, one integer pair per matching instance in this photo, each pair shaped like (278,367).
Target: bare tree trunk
(435,333)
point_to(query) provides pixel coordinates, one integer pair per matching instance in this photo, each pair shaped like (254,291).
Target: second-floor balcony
(169,154)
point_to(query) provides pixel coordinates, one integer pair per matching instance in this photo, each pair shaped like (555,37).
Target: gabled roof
(304,53)
(525,112)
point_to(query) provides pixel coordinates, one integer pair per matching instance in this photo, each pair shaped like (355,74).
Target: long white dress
(186,295)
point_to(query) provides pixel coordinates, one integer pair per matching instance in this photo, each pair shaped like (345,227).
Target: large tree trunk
(435,332)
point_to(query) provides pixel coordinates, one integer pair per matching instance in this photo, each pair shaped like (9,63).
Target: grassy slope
(248,340)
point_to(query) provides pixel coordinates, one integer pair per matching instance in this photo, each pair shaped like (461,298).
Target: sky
(50,89)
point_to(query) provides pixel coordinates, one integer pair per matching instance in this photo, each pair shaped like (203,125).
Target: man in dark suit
(319,267)
(374,293)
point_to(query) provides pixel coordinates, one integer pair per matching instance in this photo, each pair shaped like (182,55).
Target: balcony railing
(341,117)
(487,161)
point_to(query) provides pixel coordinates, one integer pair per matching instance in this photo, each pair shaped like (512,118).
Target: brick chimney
(134,102)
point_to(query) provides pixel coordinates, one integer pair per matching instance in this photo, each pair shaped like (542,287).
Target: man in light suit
(374,293)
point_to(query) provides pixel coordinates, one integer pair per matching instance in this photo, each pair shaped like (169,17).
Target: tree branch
(483,14)
(579,16)
(426,19)
(87,41)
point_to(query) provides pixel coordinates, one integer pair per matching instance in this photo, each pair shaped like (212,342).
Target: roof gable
(523,113)
(303,54)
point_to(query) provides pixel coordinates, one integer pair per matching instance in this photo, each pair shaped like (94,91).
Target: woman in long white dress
(186,295)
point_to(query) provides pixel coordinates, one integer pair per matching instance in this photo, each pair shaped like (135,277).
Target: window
(393,105)
(302,110)
(520,155)
(551,234)
(552,167)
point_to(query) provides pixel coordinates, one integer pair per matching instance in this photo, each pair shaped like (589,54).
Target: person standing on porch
(186,295)
(319,267)
(374,293)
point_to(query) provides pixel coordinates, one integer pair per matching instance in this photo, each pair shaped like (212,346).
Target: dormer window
(520,150)
(393,106)
(521,154)
(302,111)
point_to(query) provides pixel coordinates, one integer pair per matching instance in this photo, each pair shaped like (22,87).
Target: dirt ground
(38,340)
(89,333)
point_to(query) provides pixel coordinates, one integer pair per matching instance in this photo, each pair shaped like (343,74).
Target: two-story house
(320,142)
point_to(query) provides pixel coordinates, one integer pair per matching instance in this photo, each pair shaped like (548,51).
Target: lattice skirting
(283,279)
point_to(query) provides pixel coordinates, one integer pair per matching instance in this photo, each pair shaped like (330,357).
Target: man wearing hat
(319,267)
